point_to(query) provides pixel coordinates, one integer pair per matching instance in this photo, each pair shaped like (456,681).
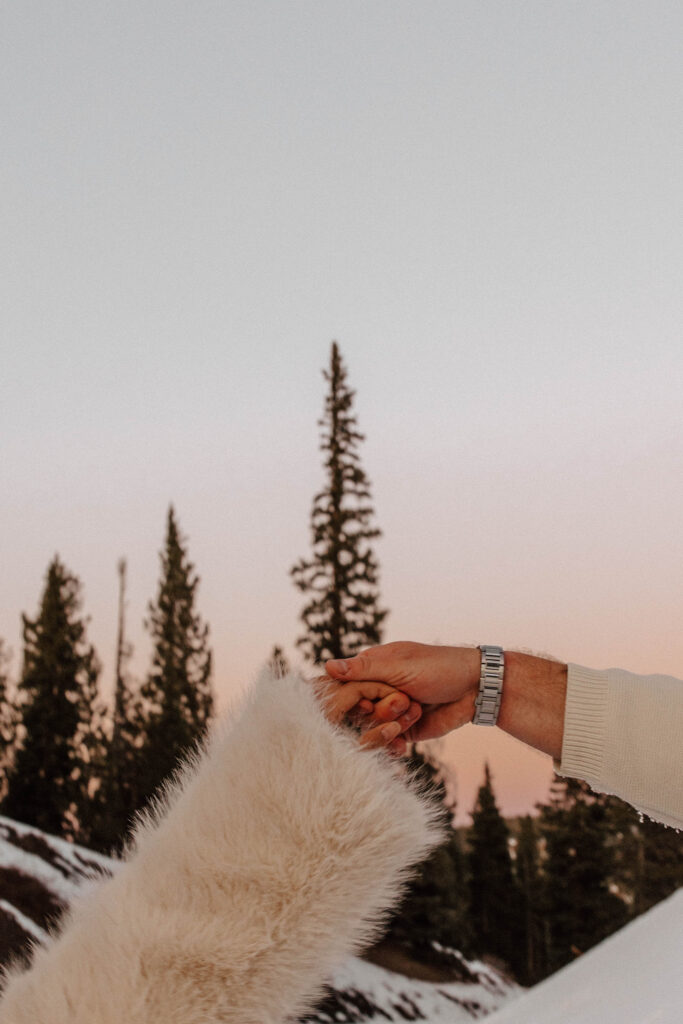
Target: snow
(68,868)
(29,926)
(393,997)
(633,977)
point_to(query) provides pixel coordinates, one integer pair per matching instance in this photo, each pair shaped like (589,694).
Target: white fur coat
(275,854)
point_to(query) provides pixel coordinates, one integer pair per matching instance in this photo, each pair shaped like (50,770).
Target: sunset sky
(480,201)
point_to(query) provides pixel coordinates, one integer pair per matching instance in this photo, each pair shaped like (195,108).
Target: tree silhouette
(118,796)
(342,614)
(50,783)
(493,892)
(8,719)
(177,696)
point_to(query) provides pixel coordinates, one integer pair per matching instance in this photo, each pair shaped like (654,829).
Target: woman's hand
(388,712)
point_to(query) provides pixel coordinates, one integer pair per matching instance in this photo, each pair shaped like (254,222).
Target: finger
(396,707)
(384,662)
(398,747)
(360,714)
(380,736)
(344,698)
(390,709)
(411,717)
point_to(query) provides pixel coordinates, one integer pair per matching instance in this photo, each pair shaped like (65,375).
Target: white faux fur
(275,855)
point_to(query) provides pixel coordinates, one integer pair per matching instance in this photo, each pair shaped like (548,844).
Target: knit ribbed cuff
(585,721)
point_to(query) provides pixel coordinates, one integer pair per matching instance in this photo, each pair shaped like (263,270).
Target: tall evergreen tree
(50,782)
(8,719)
(118,797)
(494,896)
(435,908)
(178,695)
(648,856)
(530,886)
(662,862)
(342,614)
(580,907)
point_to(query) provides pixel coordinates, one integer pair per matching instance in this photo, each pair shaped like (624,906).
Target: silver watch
(487,704)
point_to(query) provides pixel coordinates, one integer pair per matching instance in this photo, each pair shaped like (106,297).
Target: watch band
(487,704)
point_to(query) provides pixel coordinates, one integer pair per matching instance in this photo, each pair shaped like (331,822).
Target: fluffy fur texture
(274,855)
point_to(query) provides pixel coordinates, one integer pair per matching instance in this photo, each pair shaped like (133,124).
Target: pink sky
(480,202)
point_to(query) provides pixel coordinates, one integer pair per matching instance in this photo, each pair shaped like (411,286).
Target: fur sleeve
(274,855)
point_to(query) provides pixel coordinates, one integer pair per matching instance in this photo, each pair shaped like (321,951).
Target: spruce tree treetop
(8,718)
(58,708)
(494,893)
(580,861)
(341,577)
(117,798)
(178,692)
(435,907)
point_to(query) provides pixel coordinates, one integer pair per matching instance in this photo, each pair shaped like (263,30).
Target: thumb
(357,669)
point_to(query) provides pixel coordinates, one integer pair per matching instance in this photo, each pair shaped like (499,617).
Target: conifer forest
(530,894)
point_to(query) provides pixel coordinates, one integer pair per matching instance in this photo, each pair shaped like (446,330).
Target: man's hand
(387,712)
(445,681)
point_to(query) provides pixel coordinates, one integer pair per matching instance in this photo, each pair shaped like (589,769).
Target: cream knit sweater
(623,734)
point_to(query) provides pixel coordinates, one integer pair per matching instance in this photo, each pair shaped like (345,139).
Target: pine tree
(341,577)
(177,696)
(662,862)
(118,797)
(494,896)
(435,908)
(648,856)
(50,783)
(8,719)
(580,907)
(277,663)
(529,884)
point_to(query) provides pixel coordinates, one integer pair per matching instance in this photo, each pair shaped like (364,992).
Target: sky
(479,201)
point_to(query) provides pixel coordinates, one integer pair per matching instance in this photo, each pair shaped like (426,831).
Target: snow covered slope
(634,977)
(39,875)
(361,992)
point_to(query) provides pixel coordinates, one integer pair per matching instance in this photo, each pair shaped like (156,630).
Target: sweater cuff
(585,722)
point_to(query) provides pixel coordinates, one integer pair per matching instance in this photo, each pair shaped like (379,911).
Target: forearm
(617,731)
(276,857)
(533,697)
(533,702)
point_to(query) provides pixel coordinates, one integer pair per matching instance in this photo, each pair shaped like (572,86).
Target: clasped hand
(403,692)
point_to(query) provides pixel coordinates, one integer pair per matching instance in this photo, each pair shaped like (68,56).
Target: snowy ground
(362,992)
(634,977)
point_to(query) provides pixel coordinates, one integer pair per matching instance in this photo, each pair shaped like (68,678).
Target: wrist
(468,674)
(533,701)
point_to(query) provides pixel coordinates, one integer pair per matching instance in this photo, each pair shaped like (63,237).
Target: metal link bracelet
(487,704)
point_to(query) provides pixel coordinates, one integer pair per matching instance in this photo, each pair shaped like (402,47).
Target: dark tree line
(529,894)
(70,766)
